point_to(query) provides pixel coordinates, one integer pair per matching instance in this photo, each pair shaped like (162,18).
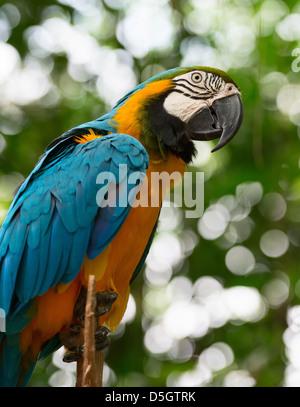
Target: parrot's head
(181,105)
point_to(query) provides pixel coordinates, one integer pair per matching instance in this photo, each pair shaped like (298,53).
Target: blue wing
(55,220)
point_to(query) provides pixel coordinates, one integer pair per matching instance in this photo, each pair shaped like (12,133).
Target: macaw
(56,233)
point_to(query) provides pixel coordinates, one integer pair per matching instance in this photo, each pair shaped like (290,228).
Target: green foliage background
(253,40)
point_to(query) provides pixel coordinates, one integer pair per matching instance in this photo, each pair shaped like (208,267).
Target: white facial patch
(181,106)
(195,90)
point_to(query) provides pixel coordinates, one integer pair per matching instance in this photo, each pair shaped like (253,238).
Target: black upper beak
(223,119)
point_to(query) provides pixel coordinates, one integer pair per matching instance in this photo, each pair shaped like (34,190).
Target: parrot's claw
(101,342)
(69,337)
(72,356)
(101,338)
(104,301)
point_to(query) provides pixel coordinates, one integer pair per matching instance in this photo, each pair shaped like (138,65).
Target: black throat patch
(170,129)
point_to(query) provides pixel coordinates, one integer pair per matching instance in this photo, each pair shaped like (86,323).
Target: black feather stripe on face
(170,129)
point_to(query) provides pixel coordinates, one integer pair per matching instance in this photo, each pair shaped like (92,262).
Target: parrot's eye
(196,77)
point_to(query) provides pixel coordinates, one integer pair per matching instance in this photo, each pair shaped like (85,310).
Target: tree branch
(90,368)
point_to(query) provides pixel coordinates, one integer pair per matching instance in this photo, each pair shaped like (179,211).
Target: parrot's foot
(101,338)
(72,356)
(104,302)
(76,352)
(71,337)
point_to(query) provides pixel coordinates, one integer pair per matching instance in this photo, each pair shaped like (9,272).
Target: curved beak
(222,119)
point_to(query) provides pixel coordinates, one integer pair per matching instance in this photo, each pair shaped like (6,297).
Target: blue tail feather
(11,371)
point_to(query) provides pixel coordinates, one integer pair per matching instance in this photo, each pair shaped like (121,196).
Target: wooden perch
(90,367)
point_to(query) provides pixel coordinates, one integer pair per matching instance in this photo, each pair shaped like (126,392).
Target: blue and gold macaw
(56,234)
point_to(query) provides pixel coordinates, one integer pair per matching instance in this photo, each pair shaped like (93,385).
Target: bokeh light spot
(216,357)
(249,193)
(240,260)
(274,243)
(214,222)
(244,303)
(273,206)
(276,292)
(239,378)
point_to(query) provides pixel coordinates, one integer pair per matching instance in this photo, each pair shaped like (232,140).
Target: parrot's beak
(222,119)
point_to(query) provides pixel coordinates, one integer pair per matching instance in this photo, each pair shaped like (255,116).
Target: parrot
(60,228)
